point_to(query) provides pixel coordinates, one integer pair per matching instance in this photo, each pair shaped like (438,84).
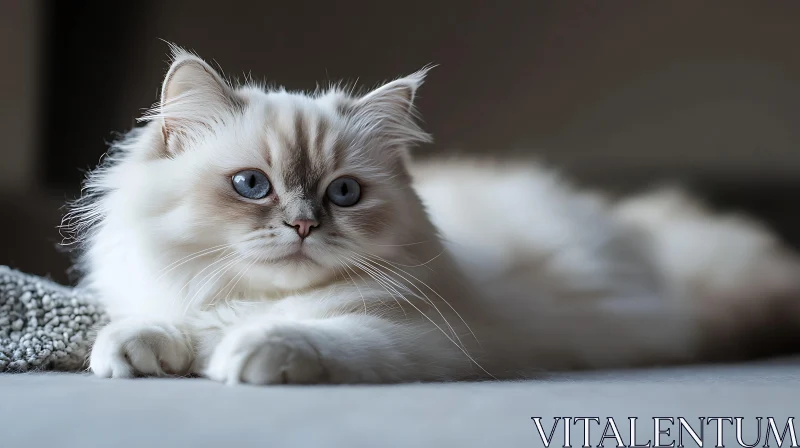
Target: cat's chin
(296,271)
(299,257)
(298,252)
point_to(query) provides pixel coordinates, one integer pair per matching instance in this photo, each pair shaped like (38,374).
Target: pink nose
(304,226)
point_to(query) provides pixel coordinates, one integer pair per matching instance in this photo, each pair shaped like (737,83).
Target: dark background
(620,94)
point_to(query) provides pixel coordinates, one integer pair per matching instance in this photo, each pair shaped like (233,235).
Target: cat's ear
(389,113)
(194,96)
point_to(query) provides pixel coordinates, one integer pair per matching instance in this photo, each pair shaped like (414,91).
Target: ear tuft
(389,113)
(399,93)
(189,72)
(193,95)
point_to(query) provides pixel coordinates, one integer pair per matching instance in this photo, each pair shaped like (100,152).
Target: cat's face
(285,188)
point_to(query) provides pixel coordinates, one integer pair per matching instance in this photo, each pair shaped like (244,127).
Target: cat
(261,236)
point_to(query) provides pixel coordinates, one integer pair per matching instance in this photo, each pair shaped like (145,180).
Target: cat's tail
(734,273)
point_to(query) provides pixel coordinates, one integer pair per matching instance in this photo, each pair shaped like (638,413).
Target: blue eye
(344,191)
(252,184)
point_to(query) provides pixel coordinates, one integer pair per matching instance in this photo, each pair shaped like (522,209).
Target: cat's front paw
(272,354)
(132,347)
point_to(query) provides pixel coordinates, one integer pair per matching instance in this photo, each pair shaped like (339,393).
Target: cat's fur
(534,275)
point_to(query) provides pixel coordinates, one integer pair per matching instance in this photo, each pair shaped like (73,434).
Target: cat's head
(290,187)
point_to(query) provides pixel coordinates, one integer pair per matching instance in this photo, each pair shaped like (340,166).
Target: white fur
(533,275)
(654,278)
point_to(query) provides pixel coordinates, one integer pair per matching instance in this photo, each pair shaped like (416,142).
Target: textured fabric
(43,325)
(73,410)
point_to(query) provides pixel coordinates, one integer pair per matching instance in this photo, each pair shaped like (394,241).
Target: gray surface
(64,410)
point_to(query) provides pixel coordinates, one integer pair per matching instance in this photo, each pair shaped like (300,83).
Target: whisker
(240,274)
(394,263)
(393,283)
(244,272)
(462,349)
(400,245)
(354,283)
(438,295)
(191,279)
(424,297)
(216,275)
(217,260)
(169,268)
(384,287)
(221,271)
(394,293)
(209,250)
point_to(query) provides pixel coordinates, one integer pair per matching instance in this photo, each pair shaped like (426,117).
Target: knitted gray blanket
(44,325)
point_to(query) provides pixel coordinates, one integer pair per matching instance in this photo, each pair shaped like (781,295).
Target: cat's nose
(303,226)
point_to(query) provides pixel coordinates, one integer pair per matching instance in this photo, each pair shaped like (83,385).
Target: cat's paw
(273,354)
(129,347)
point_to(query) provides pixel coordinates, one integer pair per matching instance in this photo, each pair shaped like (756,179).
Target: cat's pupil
(344,191)
(251,181)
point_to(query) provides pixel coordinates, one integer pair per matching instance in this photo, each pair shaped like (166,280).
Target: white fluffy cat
(264,236)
